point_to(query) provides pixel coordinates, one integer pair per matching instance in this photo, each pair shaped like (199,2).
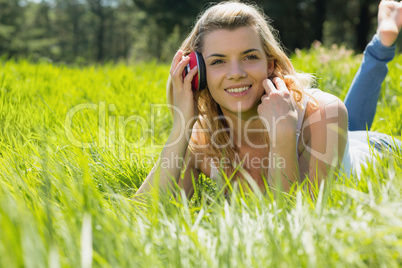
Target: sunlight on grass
(68,206)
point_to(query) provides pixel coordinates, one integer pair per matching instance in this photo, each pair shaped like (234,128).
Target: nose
(236,71)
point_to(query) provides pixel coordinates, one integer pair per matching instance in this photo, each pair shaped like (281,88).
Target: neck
(247,128)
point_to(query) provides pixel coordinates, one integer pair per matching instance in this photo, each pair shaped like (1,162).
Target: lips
(238,91)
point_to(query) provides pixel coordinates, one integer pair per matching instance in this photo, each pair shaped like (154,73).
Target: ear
(271,67)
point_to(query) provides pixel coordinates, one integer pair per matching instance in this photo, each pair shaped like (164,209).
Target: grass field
(77,142)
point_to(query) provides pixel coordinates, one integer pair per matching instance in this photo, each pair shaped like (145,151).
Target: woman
(248,120)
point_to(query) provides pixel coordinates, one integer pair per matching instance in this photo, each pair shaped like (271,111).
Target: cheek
(214,77)
(214,93)
(210,77)
(260,71)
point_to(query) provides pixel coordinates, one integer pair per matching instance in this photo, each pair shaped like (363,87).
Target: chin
(245,108)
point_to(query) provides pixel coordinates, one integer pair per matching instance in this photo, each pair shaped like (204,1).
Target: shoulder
(324,107)
(324,134)
(326,120)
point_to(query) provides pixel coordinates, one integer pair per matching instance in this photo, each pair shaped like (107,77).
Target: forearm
(284,168)
(169,164)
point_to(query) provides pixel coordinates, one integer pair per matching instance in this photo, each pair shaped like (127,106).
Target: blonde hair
(231,15)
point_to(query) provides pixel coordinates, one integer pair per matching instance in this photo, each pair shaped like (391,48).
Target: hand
(184,99)
(278,113)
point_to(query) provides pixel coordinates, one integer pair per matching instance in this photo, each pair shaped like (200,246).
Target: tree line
(82,31)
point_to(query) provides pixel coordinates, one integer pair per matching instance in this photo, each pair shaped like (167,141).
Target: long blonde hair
(231,15)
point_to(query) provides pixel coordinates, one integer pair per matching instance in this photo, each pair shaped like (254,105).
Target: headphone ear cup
(202,72)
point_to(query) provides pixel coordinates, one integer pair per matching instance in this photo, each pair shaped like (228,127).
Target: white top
(364,147)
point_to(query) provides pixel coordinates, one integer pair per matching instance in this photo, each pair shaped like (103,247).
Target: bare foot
(389,21)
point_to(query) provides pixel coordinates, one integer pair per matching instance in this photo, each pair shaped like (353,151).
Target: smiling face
(236,66)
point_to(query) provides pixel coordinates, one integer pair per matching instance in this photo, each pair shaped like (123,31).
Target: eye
(217,61)
(251,57)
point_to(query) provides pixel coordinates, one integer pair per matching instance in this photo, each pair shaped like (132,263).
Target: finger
(176,59)
(189,77)
(280,84)
(265,96)
(178,72)
(268,86)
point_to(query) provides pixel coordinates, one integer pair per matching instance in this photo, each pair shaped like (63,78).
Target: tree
(99,30)
(168,15)
(319,19)
(70,26)
(364,26)
(103,10)
(11,18)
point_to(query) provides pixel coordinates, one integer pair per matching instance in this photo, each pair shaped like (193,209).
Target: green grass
(66,206)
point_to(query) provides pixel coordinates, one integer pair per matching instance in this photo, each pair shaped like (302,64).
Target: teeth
(237,90)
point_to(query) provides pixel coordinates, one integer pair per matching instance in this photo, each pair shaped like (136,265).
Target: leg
(361,99)
(363,94)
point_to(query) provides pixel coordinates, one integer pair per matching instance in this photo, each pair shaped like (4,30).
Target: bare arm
(169,165)
(167,169)
(190,174)
(284,169)
(326,128)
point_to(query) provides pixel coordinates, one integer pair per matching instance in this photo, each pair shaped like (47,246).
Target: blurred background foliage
(87,31)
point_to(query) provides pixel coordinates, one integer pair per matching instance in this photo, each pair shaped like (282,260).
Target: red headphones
(200,79)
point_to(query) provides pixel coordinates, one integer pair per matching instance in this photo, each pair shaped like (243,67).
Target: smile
(237,90)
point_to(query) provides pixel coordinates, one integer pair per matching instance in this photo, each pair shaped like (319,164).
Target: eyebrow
(244,52)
